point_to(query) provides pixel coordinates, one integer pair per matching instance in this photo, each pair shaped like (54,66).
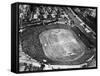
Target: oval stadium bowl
(33,47)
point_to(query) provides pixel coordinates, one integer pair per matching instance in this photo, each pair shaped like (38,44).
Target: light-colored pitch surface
(60,45)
